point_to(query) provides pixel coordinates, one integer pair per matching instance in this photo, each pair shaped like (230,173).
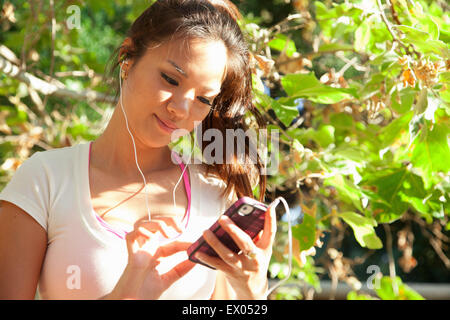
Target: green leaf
(402,101)
(308,86)
(285,113)
(363,36)
(422,101)
(342,122)
(430,26)
(363,229)
(305,232)
(388,183)
(281,42)
(293,83)
(431,46)
(326,47)
(262,99)
(349,152)
(322,12)
(257,84)
(386,290)
(431,152)
(388,56)
(324,135)
(353,295)
(412,34)
(347,191)
(394,131)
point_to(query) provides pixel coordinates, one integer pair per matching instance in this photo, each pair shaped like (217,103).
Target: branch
(393,12)
(278,27)
(434,242)
(49,88)
(387,230)
(389,27)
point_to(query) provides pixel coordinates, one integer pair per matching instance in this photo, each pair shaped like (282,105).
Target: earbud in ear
(124,73)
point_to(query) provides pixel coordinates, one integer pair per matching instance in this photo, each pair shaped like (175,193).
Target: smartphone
(246,213)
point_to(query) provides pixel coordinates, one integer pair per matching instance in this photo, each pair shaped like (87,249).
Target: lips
(167,126)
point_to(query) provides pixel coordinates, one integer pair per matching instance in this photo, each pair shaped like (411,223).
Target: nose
(179,106)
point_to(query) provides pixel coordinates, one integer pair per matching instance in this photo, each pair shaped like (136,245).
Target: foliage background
(359,90)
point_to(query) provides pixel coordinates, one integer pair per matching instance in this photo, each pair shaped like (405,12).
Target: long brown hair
(210,20)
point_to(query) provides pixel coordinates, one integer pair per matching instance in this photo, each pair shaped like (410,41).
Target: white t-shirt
(83,259)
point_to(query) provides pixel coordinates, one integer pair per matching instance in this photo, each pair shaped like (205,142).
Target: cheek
(163,95)
(145,86)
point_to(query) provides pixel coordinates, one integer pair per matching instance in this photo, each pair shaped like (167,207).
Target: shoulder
(63,155)
(44,165)
(59,159)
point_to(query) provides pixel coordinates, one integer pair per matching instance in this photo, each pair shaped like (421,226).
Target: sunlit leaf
(363,229)
(430,151)
(305,232)
(308,86)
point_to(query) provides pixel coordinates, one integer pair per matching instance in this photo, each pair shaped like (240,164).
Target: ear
(125,49)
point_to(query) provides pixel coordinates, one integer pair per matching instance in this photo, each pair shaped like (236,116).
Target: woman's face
(171,87)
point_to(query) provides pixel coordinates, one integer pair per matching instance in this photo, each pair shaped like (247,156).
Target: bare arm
(23,243)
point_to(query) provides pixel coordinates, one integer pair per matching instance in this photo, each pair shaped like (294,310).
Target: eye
(204,100)
(169,79)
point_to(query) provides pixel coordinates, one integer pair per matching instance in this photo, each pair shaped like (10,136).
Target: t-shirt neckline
(119,232)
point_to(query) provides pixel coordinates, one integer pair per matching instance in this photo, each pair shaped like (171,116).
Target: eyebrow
(185,75)
(178,68)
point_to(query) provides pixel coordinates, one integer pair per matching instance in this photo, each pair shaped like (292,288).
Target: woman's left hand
(247,271)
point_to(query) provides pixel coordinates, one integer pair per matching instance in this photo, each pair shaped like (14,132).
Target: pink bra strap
(186,185)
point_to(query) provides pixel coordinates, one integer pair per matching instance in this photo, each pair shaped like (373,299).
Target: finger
(172,248)
(179,271)
(144,235)
(224,253)
(155,226)
(139,256)
(173,222)
(132,244)
(144,232)
(216,263)
(270,228)
(239,236)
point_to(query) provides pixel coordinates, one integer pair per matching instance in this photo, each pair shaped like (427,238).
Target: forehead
(202,60)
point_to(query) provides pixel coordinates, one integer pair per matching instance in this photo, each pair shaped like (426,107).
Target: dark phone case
(252,224)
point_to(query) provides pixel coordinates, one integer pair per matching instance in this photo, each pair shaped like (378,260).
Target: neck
(113,152)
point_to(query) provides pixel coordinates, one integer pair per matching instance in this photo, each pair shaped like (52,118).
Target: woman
(75,222)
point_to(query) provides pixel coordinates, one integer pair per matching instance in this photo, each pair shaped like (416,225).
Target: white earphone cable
(134,147)
(179,179)
(288,212)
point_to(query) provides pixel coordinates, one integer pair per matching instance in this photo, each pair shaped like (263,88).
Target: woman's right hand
(141,279)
